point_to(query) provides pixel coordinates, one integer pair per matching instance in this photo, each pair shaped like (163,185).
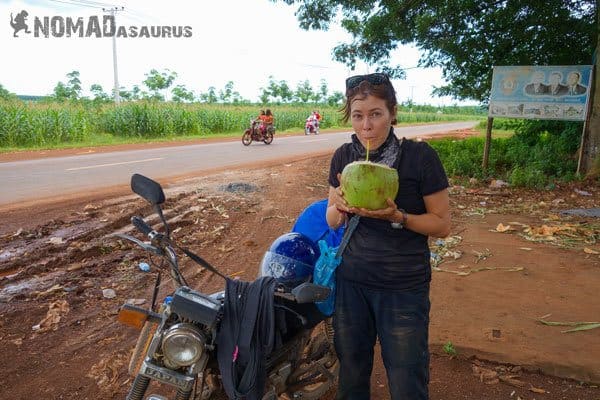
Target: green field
(50,125)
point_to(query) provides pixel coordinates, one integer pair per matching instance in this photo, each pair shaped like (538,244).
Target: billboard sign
(541,92)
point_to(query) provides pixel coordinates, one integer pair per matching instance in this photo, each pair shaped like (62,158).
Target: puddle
(583,212)
(29,285)
(11,253)
(19,247)
(74,232)
(9,273)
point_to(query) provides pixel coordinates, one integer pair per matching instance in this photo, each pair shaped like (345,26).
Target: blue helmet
(290,259)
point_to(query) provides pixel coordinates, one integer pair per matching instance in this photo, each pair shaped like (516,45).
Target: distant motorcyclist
(312,123)
(260,120)
(267,122)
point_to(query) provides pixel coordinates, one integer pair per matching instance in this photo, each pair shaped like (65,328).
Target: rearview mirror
(309,293)
(147,189)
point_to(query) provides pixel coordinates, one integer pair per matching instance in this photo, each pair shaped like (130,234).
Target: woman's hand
(337,207)
(336,197)
(387,213)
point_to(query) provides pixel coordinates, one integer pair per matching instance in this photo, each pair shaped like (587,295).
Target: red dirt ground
(487,296)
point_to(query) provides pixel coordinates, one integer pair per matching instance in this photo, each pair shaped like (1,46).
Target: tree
(304,91)
(180,93)
(464,37)
(210,96)
(74,84)
(285,92)
(157,81)
(263,96)
(5,94)
(335,99)
(98,92)
(273,88)
(321,95)
(70,90)
(228,95)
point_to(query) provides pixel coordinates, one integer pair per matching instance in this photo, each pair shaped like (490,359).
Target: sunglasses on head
(378,78)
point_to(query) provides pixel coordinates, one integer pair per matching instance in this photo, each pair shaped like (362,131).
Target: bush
(540,153)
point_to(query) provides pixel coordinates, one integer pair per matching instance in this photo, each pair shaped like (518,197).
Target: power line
(74,4)
(95,3)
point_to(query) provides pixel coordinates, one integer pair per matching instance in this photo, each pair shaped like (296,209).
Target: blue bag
(324,275)
(313,223)
(329,260)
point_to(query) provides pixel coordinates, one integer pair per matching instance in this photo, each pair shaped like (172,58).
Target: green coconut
(368,185)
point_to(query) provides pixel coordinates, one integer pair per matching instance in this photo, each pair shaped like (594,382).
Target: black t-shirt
(378,255)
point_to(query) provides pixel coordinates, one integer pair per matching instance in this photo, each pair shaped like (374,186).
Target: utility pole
(113,12)
(412,90)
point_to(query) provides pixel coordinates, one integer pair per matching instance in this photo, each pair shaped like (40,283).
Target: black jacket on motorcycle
(246,336)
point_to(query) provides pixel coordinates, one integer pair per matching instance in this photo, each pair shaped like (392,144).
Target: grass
(450,349)
(27,125)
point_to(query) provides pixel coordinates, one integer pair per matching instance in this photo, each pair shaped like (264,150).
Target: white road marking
(113,164)
(313,140)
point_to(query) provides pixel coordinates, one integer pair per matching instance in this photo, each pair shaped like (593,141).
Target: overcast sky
(244,41)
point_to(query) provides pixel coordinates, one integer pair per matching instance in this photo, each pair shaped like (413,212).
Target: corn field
(24,124)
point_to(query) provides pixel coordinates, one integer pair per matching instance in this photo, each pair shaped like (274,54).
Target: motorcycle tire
(247,138)
(307,131)
(320,345)
(268,138)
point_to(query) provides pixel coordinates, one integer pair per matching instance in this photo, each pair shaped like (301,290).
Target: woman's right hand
(337,197)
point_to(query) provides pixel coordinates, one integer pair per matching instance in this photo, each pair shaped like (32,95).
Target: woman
(268,121)
(382,287)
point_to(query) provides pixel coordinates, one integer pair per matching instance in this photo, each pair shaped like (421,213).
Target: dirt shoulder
(59,329)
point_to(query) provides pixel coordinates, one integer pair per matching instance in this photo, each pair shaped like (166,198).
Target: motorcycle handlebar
(141,225)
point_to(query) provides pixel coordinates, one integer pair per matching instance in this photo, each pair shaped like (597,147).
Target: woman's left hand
(383,213)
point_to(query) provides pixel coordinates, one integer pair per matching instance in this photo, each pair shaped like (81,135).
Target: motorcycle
(311,126)
(254,133)
(177,345)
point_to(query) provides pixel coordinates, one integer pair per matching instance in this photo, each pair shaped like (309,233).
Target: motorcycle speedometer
(183,345)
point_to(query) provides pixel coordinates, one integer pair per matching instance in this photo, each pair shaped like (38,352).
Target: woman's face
(371,120)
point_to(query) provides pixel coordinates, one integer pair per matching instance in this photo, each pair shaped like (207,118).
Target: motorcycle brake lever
(143,245)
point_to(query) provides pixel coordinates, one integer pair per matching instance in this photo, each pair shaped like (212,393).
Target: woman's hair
(269,112)
(384,91)
(262,112)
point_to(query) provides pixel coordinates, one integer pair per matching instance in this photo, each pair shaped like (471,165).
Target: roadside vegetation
(527,153)
(51,124)
(66,118)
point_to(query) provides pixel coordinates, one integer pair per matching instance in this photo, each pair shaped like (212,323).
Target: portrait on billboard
(540,92)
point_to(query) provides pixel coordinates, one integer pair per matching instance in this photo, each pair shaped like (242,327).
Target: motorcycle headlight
(183,345)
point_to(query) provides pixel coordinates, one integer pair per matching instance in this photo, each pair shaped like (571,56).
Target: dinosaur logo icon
(18,22)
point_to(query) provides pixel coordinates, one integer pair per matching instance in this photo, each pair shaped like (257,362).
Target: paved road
(49,177)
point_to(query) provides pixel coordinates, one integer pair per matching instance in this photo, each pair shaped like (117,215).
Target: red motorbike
(258,133)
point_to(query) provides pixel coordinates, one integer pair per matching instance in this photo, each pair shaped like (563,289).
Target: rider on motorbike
(267,122)
(312,123)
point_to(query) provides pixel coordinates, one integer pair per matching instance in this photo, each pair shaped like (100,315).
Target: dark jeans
(401,321)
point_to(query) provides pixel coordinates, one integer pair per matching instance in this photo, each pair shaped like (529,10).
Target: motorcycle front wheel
(247,138)
(268,138)
(318,371)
